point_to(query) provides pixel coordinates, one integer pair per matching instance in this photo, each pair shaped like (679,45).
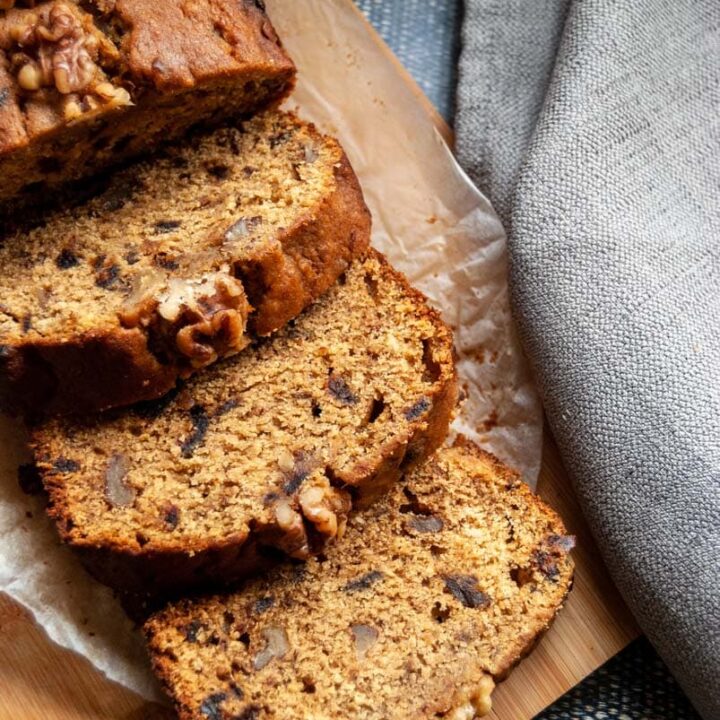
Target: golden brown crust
(119,365)
(309,256)
(417,415)
(401,457)
(170,46)
(95,370)
(522,646)
(378,630)
(160,67)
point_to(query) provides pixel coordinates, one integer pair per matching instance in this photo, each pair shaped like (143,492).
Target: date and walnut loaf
(85,83)
(433,595)
(176,263)
(261,453)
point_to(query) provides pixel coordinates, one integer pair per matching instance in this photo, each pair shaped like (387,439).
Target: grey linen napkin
(594,126)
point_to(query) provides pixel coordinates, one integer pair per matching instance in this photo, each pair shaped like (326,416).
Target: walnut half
(324,507)
(200,319)
(57,45)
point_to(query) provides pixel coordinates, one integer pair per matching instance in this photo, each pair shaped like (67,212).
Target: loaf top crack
(267,449)
(160,272)
(432,597)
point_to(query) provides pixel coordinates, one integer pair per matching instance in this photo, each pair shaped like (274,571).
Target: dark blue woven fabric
(425,35)
(635,685)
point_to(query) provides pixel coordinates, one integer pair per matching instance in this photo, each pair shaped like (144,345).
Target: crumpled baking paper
(433,225)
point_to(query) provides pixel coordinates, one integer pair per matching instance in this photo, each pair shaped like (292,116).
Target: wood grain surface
(41,681)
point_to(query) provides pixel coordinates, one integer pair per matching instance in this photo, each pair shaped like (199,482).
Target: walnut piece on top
(57,47)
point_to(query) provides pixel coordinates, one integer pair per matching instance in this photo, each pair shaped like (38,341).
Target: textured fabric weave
(425,36)
(509,49)
(614,213)
(634,685)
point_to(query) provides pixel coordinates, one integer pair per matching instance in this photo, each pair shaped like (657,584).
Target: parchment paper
(434,226)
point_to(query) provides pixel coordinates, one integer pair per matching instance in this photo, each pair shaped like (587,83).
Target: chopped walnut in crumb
(196,295)
(276,647)
(142,302)
(325,507)
(464,712)
(118,493)
(213,312)
(319,504)
(58,46)
(476,703)
(196,341)
(294,540)
(482,697)
(365,637)
(286,460)
(205,318)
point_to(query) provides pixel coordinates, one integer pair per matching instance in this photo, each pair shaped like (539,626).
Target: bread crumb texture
(270,448)
(175,263)
(434,595)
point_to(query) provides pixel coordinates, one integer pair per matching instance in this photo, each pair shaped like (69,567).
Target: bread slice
(433,595)
(178,262)
(85,83)
(266,451)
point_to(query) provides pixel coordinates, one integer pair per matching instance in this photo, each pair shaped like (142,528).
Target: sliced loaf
(263,452)
(177,262)
(432,597)
(85,83)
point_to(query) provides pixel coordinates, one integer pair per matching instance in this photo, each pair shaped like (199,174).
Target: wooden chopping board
(41,681)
